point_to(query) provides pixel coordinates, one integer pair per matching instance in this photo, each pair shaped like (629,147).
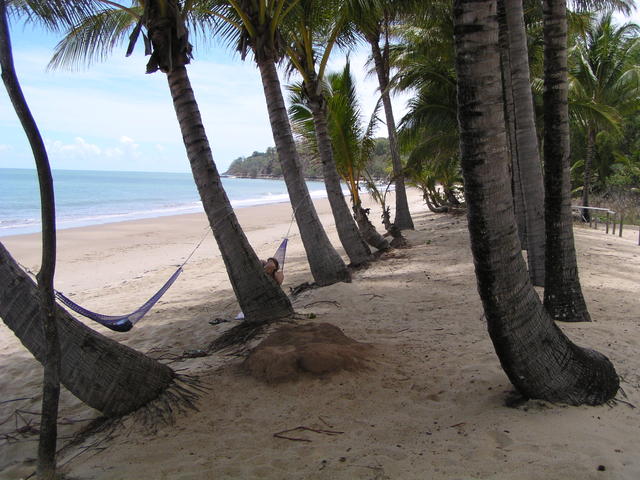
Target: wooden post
(621,223)
(595,223)
(607,228)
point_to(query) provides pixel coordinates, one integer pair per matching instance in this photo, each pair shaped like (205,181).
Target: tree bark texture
(327,267)
(259,296)
(537,357)
(354,245)
(563,297)
(403,216)
(526,154)
(368,231)
(46,466)
(106,375)
(518,201)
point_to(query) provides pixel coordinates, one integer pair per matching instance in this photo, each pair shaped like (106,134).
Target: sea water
(95,197)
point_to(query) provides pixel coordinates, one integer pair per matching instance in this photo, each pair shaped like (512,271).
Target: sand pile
(317,348)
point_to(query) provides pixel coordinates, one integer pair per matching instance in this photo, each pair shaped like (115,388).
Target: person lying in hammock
(272,268)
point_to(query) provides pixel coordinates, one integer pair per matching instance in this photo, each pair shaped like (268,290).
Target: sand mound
(317,348)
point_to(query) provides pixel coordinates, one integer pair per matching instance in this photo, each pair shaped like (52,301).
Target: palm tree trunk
(505,68)
(403,217)
(106,375)
(368,231)
(51,382)
(526,154)
(327,267)
(260,297)
(353,243)
(563,297)
(588,162)
(538,358)
(452,200)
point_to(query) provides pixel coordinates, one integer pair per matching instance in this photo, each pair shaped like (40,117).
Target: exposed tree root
(180,397)
(241,334)
(303,287)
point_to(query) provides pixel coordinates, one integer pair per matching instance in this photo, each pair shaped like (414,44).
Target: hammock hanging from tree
(281,253)
(124,323)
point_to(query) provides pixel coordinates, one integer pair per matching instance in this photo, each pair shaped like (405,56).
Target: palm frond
(94,38)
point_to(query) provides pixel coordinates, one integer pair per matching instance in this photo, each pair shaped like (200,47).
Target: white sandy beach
(430,405)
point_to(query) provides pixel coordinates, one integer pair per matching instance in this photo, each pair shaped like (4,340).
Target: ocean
(96,197)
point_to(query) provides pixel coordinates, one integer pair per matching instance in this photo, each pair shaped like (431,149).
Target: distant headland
(265,165)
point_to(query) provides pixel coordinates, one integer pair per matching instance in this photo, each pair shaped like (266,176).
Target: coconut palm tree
(258,27)
(428,132)
(525,157)
(314,33)
(352,144)
(51,382)
(563,296)
(538,358)
(604,85)
(374,21)
(99,371)
(167,42)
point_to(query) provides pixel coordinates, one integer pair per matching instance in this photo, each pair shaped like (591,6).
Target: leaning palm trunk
(525,152)
(260,298)
(354,246)
(403,217)
(563,297)
(368,231)
(327,267)
(538,358)
(51,381)
(104,374)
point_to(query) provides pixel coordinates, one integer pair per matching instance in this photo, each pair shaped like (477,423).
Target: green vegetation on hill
(266,164)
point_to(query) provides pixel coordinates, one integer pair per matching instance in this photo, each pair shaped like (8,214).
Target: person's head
(271,266)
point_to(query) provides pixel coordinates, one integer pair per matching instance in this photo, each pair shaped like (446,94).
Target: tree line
(266,164)
(478,93)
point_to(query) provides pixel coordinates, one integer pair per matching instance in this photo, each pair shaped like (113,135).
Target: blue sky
(112,116)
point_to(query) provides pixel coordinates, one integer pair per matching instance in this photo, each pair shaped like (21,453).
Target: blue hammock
(124,323)
(281,253)
(121,323)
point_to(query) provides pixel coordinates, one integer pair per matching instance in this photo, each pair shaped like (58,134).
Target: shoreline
(85,199)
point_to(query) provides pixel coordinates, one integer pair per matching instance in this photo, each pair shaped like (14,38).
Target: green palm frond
(352,141)
(55,15)
(95,38)
(587,113)
(622,6)
(301,116)
(604,79)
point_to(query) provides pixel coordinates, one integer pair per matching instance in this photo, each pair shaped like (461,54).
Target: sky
(113,116)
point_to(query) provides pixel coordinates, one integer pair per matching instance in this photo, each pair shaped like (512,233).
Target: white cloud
(79,148)
(126,154)
(126,115)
